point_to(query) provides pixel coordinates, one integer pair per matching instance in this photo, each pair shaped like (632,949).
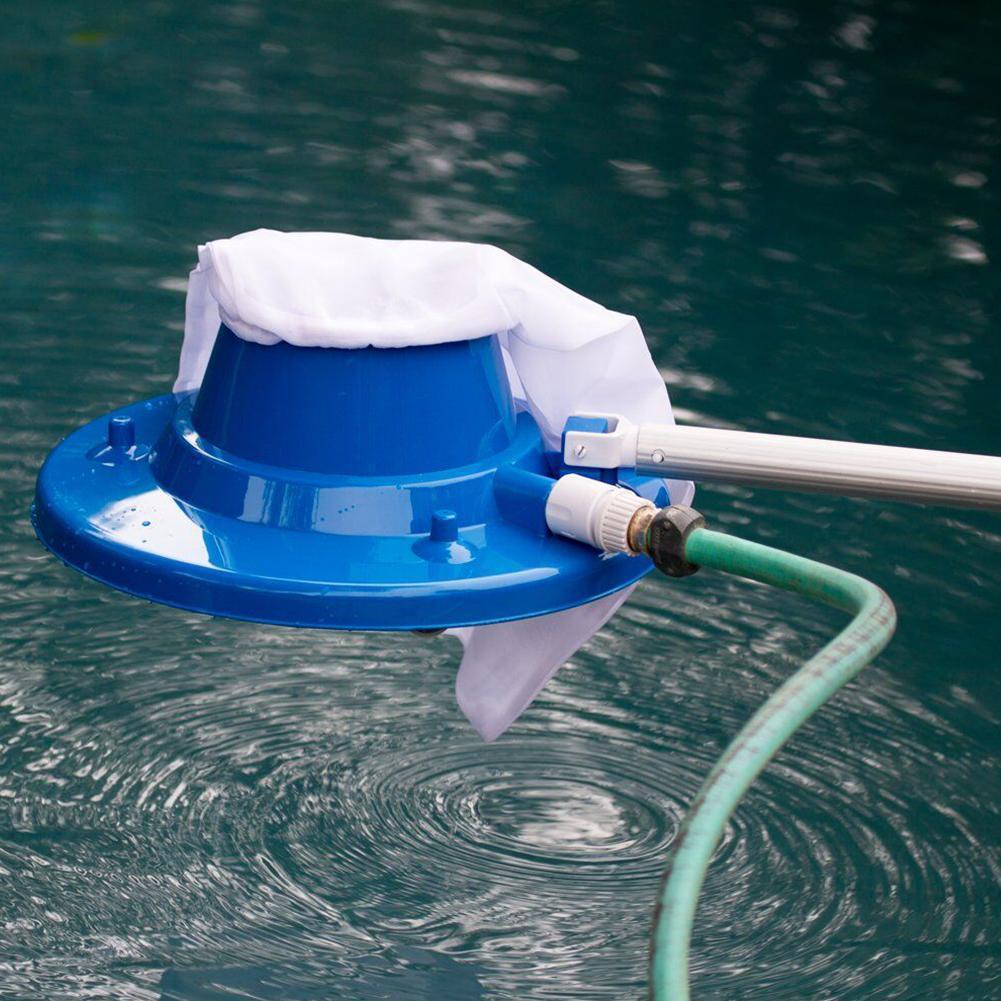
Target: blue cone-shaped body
(348,489)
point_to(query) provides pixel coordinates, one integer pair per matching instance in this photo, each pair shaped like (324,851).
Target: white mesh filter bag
(563,353)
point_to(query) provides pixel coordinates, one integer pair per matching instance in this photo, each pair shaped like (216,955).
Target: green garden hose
(770,727)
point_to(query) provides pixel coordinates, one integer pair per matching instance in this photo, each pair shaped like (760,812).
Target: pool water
(801,203)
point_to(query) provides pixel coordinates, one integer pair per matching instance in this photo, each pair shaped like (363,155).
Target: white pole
(710,455)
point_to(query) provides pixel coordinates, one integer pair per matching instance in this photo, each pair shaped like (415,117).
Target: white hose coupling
(593,512)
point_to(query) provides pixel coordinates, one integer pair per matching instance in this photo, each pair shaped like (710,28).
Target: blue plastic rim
(345,489)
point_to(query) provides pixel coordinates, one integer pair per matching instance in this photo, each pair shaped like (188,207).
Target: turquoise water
(800,202)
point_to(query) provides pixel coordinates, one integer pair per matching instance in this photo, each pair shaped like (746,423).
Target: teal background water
(800,202)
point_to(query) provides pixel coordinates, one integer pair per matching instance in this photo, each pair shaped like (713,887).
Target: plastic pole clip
(614,448)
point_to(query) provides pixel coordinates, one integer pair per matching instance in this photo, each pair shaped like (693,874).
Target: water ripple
(285,816)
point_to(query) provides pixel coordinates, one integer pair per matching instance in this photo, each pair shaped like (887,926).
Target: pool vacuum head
(366,434)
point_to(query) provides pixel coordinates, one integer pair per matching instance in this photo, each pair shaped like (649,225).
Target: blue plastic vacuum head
(346,489)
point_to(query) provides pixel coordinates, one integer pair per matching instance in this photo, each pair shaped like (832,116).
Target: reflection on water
(800,202)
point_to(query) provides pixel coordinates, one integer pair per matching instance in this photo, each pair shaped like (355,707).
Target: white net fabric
(564,353)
